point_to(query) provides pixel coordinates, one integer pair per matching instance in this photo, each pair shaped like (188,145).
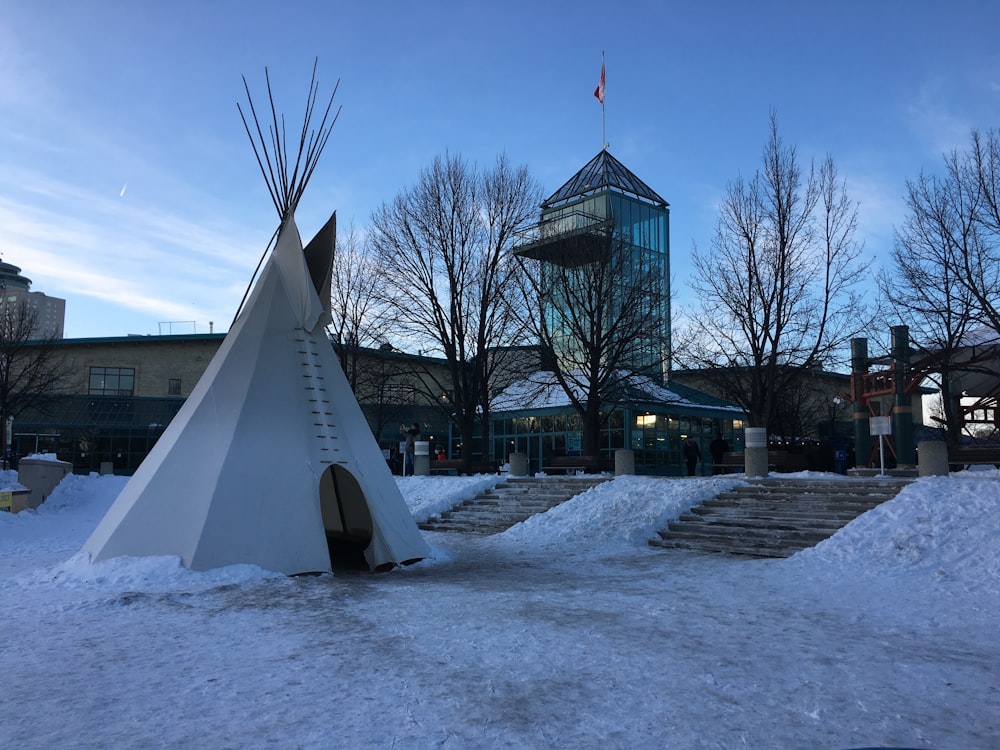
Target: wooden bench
(776,461)
(454,465)
(730,462)
(572,464)
(967,455)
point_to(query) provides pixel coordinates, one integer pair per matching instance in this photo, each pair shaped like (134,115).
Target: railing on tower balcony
(569,239)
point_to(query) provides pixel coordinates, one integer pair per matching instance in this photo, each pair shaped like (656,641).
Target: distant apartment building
(15,295)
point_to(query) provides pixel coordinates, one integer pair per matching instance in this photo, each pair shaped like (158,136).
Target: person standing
(692,455)
(718,448)
(411,446)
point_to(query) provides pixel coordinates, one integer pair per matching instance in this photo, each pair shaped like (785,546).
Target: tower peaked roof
(603,171)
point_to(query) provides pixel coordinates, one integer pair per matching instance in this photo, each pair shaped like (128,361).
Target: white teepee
(270,461)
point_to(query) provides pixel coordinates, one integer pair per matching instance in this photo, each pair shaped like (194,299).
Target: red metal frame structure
(903,378)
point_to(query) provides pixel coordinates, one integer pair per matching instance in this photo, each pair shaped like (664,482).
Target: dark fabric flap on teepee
(319,259)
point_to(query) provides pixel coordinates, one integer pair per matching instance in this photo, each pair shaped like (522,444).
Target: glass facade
(603,240)
(657,438)
(89,431)
(112,381)
(654,436)
(635,249)
(435,428)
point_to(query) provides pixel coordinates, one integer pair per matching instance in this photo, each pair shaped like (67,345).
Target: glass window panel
(111,381)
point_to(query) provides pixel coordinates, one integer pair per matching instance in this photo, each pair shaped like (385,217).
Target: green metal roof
(77,411)
(604,172)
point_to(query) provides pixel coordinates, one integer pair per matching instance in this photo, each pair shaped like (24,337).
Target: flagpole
(604,135)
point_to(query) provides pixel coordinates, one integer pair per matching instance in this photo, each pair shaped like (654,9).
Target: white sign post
(880,426)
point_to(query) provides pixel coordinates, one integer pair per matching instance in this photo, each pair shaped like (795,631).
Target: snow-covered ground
(566,631)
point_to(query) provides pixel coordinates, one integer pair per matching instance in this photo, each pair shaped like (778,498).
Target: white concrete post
(932,458)
(624,462)
(518,465)
(755,458)
(421,458)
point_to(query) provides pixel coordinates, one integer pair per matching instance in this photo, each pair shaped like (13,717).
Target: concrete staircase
(776,517)
(510,502)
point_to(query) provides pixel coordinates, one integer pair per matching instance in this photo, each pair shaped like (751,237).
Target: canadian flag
(599,91)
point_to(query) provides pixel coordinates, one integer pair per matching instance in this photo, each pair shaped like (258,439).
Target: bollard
(624,462)
(755,459)
(932,458)
(518,465)
(421,458)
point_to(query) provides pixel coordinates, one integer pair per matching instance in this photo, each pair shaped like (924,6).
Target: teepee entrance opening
(346,519)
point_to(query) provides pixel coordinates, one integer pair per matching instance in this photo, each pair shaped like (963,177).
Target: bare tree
(776,293)
(361,319)
(32,373)
(444,246)
(946,280)
(924,290)
(597,320)
(963,206)
(388,384)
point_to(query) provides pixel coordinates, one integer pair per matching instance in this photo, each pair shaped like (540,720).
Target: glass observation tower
(606,218)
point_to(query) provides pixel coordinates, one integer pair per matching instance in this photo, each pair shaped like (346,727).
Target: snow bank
(428,495)
(942,526)
(147,574)
(625,511)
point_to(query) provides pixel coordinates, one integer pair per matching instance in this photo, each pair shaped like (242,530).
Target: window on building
(112,381)
(174,387)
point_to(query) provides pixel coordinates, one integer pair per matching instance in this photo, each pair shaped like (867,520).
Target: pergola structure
(975,379)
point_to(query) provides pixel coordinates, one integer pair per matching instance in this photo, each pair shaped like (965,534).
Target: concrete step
(508,503)
(759,534)
(803,494)
(774,518)
(798,512)
(731,548)
(754,506)
(691,520)
(739,545)
(751,506)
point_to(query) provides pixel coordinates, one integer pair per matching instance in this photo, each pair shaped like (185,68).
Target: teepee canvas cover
(270,461)
(271,453)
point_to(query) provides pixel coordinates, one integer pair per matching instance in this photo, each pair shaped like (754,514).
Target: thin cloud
(146,260)
(934,120)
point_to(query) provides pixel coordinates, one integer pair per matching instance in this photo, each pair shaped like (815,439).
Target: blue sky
(105,95)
